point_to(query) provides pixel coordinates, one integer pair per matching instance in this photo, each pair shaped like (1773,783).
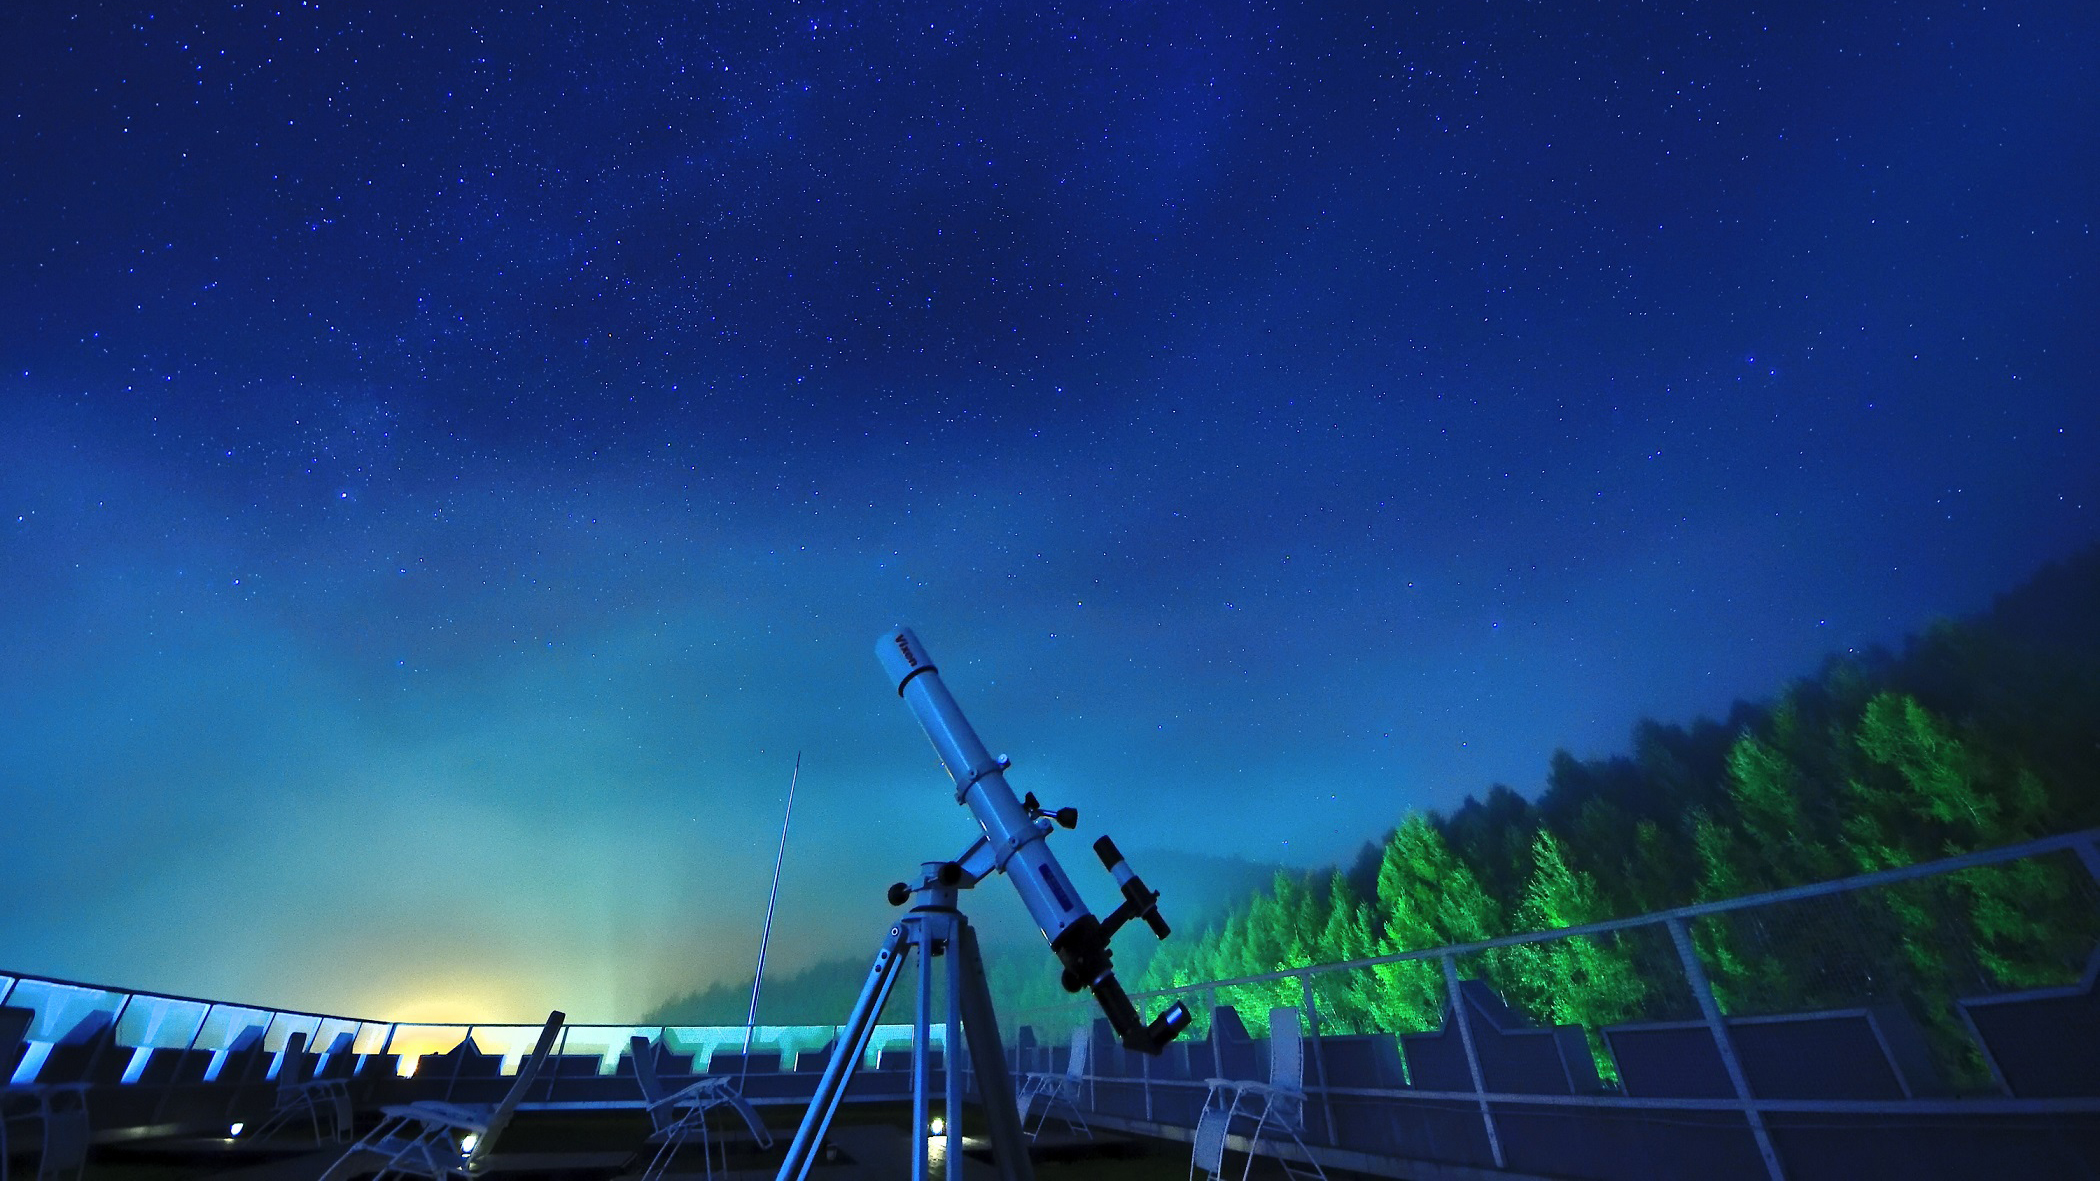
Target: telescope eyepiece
(1110,856)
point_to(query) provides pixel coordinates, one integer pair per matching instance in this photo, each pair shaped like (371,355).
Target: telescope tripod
(936,928)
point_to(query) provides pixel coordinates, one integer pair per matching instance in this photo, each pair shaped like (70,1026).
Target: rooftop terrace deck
(1856,1084)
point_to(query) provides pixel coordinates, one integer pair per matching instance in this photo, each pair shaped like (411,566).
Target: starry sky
(454,457)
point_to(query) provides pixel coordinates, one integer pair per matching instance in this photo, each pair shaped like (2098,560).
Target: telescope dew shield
(980,782)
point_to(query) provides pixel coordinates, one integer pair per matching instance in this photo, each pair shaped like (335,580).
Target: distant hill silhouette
(820,994)
(1196,889)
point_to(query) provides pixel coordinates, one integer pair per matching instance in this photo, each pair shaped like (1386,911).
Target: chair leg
(339,1169)
(1253,1143)
(1207,1151)
(1041,1118)
(1261,1120)
(664,1152)
(1312,1165)
(1076,1121)
(722,1149)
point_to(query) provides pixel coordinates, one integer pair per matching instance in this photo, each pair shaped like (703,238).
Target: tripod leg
(845,1059)
(952,1055)
(921,1055)
(995,1087)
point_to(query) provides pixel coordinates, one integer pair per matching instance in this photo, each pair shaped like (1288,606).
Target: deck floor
(871,1145)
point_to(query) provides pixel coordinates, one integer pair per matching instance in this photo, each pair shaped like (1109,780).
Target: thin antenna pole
(759,977)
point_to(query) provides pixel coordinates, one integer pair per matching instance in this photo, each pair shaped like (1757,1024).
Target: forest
(1977,733)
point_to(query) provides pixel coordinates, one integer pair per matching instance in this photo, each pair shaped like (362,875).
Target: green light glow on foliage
(1839,777)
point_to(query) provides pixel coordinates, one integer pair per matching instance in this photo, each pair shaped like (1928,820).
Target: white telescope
(1015,844)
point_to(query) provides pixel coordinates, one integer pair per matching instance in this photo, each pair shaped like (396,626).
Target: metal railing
(135,1023)
(1904,943)
(1906,940)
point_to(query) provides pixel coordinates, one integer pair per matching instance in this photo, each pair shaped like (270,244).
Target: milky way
(453,460)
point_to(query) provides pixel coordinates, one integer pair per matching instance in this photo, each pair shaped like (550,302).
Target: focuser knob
(1065,817)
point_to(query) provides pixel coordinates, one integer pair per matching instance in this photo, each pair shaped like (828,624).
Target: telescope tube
(1018,848)
(1016,845)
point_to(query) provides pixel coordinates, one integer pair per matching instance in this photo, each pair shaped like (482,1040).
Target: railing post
(1210,1014)
(168,1089)
(1319,1053)
(95,1056)
(2089,853)
(1145,1073)
(1465,1037)
(1093,1064)
(1703,992)
(386,1045)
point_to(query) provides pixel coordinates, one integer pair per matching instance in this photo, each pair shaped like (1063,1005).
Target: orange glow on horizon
(453,1002)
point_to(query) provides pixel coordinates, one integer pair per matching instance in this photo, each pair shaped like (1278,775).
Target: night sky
(453,459)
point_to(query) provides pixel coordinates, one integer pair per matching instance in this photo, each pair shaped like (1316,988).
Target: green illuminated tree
(1348,999)
(1924,791)
(1772,803)
(1427,897)
(1586,980)
(1777,838)
(1281,931)
(1977,735)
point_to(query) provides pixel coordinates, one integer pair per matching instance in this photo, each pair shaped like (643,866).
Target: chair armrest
(699,1092)
(442,1115)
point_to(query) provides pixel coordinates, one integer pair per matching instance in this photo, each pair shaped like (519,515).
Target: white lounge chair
(1054,1090)
(54,1117)
(679,1116)
(59,1115)
(440,1140)
(1276,1107)
(325,1102)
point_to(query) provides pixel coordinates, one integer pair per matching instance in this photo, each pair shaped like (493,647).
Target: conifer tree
(1770,798)
(1346,999)
(1773,843)
(1585,980)
(1936,795)
(1427,897)
(1878,761)
(1275,939)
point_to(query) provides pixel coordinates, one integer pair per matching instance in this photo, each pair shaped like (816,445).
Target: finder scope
(1014,838)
